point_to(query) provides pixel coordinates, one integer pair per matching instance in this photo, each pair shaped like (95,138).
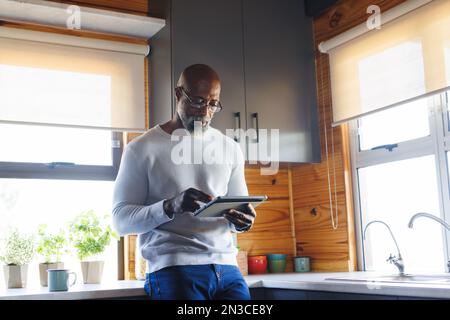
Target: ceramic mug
(257,264)
(276,262)
(58,279)
(302,264)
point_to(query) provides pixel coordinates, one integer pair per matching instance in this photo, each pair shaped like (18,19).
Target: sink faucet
(427,215)
(396,260)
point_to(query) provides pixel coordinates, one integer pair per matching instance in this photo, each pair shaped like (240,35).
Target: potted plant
(17,252)
(51,247)
(90,236)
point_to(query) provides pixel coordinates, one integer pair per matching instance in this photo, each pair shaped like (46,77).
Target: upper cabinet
(280,77)
(210,32)
(264,54)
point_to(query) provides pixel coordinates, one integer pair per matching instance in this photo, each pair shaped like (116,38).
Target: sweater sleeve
(237,185)
(130,213)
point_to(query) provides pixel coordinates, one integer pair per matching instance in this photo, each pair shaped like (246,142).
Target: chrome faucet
(427,215)
(396,260)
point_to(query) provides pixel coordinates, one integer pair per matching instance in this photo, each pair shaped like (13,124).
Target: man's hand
(243,218)
(185,201)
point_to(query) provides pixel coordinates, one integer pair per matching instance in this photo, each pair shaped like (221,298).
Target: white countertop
(297,281)
(317,282)
(128,288)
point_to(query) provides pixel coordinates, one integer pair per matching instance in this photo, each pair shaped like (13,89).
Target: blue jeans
(197,282)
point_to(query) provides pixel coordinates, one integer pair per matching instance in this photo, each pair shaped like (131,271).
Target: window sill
(112,290)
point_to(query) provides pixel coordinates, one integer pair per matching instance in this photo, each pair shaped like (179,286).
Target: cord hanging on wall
(333,216)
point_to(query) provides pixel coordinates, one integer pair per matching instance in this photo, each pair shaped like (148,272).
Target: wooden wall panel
(130,262)
(272,231)
(345,15)
(331,250)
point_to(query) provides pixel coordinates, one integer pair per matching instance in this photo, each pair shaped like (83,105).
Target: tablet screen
(217,206)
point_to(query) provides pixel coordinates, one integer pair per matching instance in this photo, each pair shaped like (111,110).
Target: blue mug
(58,279)
(302,264)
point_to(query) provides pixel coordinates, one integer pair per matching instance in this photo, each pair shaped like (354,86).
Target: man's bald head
(197,76)
(198,82)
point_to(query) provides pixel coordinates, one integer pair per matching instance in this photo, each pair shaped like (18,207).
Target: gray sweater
(152,170)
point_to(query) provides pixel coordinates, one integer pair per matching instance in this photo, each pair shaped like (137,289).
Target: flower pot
(302,264)
(16,276)
(257,264)
(276,262)
(43,267)
(92,271)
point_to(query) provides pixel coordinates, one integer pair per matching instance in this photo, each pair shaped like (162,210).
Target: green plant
(17,249)
(90,235)
(51,246)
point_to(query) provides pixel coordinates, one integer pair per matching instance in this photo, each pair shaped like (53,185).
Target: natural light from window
(447,64)
(38,144)
(402,123)
(393,192)
(391,76)
(26,203)
(54,96)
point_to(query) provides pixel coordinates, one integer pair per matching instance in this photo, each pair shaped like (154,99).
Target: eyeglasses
(198,102)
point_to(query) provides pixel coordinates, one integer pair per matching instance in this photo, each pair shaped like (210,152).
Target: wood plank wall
(272,231)
(331,250)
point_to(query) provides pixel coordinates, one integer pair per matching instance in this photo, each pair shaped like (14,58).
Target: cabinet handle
(255,121)
(237,126)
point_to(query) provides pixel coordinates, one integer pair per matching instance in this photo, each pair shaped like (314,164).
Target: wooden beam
(76,33)
(138,7)
(291,210)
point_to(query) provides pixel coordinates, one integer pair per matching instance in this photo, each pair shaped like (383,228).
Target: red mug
(257,264)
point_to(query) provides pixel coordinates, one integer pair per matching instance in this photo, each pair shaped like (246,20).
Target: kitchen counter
(118,289)
(295,281)
(313,281)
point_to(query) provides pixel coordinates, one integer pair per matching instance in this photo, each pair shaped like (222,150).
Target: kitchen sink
(407,278)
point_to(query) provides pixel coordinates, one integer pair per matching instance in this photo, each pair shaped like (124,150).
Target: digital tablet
(216,207)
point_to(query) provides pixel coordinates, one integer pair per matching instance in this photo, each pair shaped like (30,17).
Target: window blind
(62,80)
(407,59)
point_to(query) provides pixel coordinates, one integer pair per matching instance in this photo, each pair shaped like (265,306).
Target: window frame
(437,144)
(30,170)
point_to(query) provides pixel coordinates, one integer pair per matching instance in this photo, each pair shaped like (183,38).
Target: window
(404,123)
(401,167)
(50,174)
(55,202)
(31,190)
(65,102)
(47,144)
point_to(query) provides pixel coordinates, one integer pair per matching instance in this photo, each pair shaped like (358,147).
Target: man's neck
(172,125)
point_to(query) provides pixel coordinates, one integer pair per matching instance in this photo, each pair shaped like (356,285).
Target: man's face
(197,118)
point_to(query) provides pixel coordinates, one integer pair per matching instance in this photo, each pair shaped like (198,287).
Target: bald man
(157,190)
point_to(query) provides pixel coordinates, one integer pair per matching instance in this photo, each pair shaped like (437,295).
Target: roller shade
(53,79)
(407,59)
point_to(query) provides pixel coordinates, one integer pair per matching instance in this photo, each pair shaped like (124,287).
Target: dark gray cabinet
(280,76)
(263,52)
(210,32)
(291,294)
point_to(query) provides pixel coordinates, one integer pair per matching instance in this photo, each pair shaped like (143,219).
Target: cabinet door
(280,78)
(210,32)
(160,67)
